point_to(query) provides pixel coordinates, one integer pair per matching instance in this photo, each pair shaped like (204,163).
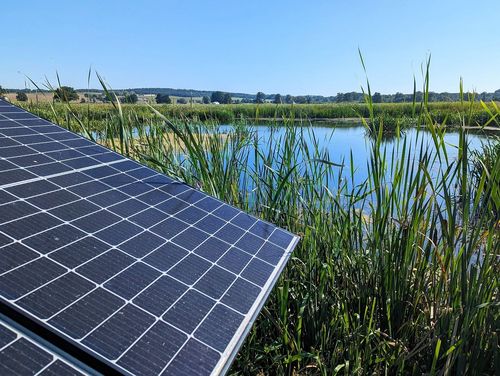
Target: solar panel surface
(143,273)
(21,354)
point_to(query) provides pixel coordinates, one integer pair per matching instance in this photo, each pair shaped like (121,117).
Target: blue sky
(295,47)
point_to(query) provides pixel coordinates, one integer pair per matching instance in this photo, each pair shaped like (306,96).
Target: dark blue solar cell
(32,139)
(210,224)
(15,210)
(74,210)
(48,146)
(215,282)
(53,199)
(270,253)
(118,180)
(101,172)
(48,169)
(105,266)
(127,165)
(128,207)
(141,173)
(107,157)
(208,204)
(14,284)
(118,333)
(141,244)
(4,239)
(31,225)
(6,336)
(262,229)
(14,255)
(15,115)
(89,189)
(154,197)
(6,197)
(191,215)
(8,142)
(165,257)
(132,280)
(135,189)
(82,162)
(57,295)
(59,136)
(79,252)
(190,238)
(226,212)
(78,143)
(219,327)
(15,176)
(14,151)
(241,295)
(174,188)
(32,189)
(158,297)
(60,368)
(158,345)
(86,314)
(172,206)
(281,238)
(148,217)
(118,233)
(230,233)
(190,269)
(169,228)
(63,155)
(109,198)
(68,180)
(250,243)
(5,165)
(243,220)
(191,196)
(20,131)
(212,249)
(31,160)
(54,238)
(23,358)
(257,272)
(234,260)
(195,358)
(189,311)
(96,221)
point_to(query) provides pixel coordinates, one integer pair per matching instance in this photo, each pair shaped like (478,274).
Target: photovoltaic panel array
(128,270)
(21,354)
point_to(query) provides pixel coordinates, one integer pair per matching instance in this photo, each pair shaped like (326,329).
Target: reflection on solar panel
(124,268)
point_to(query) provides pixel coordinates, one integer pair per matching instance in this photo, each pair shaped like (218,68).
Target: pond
(338,142)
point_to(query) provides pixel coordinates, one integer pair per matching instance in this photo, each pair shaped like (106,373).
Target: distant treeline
(352,97)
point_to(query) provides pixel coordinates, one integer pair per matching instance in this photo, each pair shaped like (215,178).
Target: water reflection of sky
(338,142)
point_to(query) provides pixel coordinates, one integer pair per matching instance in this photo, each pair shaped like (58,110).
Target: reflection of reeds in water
(386,278)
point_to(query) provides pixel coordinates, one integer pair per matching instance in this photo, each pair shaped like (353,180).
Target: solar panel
(23,354)
(127,269)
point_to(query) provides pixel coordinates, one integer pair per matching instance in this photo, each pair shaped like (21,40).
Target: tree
(21,96)
(260,97)
(227,98)
(277,99)
(206,100)
(66,94)
(163,98)
(181,101)
(377,97)
(2,91)
(130,98)
(217,96)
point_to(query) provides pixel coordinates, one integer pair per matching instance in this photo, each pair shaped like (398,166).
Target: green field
(396,275)
(390,114)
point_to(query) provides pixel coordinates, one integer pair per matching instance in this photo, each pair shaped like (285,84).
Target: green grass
(392,114)
(396,275)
